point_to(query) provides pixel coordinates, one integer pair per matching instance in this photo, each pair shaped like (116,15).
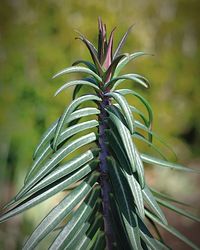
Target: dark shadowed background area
(37,40)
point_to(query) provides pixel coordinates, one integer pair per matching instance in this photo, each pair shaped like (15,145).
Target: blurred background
(37,40)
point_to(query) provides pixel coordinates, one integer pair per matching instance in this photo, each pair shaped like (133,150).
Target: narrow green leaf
(172,230)
(78,69)
(127,60)
(136,192)
(167,197)
(99,243)
(143,139)
(58,213)
(151,202)
(61,171)
(83,112)
(46,149)
(122,42)
(56,158)
(126,138)
(49,192)
(116,146)
(155,161)
(141,114)
(178,210)
(143,101)
(153,243)
(68,111)
(93,52)
(133,77)
(125,108)
(90,65)
(77,82)
(83,237)
(79,217)
(49,133)
(125,203)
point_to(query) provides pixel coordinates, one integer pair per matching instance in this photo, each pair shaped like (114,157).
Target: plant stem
(104,181)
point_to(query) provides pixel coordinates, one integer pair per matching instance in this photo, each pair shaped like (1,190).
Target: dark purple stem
(104,181)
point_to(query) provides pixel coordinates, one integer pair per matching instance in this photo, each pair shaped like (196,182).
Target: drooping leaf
(46,149)
(151,202)
(167,197)
(127,60)
(58,213)
(49,134)
(57,157)
(178,210)
(68,111)
(172,230)
(126,138)
(47,193)
(78,69)
(125,204)
(79,217)
(125,108)
(77,82)
(133,77)
(90,65)
(143,101)
(158,162)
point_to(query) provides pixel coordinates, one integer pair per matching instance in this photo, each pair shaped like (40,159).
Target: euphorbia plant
(107,200)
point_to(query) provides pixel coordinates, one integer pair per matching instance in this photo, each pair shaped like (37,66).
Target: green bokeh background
(37,40)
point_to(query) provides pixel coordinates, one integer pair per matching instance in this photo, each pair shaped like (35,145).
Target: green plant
(107,198)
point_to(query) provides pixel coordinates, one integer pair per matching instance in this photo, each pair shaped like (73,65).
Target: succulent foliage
(107,201)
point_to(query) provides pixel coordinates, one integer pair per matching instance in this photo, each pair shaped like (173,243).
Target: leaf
(143,139)
(167,197)
(56,158)
(125,108)
(77,82)
(127,60)
(49,133)
(58,213)
(108,54)
(151,202)
(155,161)
(133,77)
(122,159)
(141,114)
(83,237)
(93,52)
(79,217)
(62,170)
(46,149)
(178,210)
(116,146)
(126,139)
(172,230)
(78,69)
(63,119)
(99,243)
(154,244)
(122,42)
(125,203)
(90,65)
(111,69)
(143,101)
(49,192)
(82,113)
